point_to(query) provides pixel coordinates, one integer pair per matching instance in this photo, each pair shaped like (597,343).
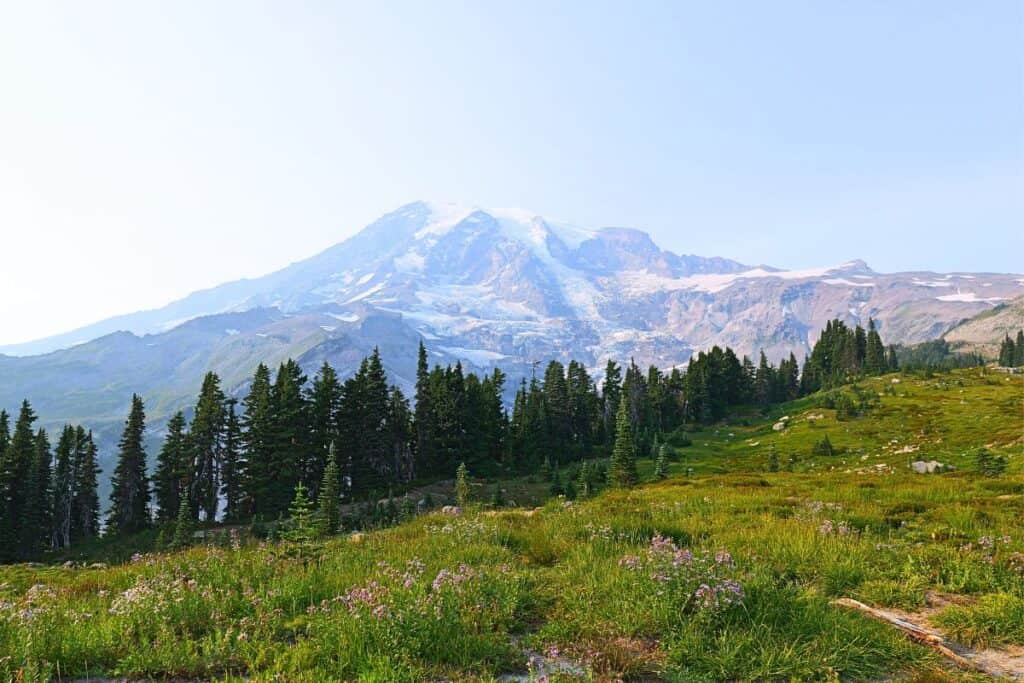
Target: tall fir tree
(14,494)
(37,529)
(324,401)
(874,356)
(233,468)
(1007,352)
(258,445)
(129,496)
(173,469)
(206,441)
(423,419)
(63,488)
(289,435)
(1018,347)
(611,393)
(85,506)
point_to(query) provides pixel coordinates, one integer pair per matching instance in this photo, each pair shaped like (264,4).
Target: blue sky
(150,149)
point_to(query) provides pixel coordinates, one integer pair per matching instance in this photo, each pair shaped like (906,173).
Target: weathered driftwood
(921,635)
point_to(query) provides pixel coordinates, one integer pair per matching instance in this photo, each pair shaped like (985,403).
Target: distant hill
(984,332)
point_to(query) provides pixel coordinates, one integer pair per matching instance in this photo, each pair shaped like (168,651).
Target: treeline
(935,355)
(1011,353)
(361,438)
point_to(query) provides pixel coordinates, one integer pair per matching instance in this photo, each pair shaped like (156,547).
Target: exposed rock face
(985,332)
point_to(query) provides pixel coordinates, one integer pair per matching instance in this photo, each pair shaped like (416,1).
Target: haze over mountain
(481,286)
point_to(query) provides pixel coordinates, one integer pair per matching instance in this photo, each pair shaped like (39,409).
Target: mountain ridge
(484,287)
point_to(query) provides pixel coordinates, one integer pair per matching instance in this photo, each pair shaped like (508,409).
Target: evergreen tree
(330,495)
(258,445)
(38,517)
(1018,347)
(661,463)
(15,470)
(206,440)
(462,485)
(173,466)
(85,506)
(233,468)
(324,401)
(1007,353)
(300,514)
(874,356)
(185,525)
(557,411)
(129,496)
(611,394)
(399,429)
(63,488)
(288,440)
(989,464)
(623,465)
(892,360)
(423,420)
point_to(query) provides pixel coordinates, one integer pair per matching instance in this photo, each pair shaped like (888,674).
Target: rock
(98,565)
(895,380)
(929,467)
(453,510)
(778,426)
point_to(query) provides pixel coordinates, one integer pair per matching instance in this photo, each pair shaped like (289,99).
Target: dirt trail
(1005,663)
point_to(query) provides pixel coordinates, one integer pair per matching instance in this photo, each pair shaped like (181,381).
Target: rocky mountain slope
(985,332)
(482,286)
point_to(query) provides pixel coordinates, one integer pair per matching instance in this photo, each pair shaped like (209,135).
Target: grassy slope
(553,578)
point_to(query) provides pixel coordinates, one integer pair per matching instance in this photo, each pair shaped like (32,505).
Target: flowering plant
(702,582)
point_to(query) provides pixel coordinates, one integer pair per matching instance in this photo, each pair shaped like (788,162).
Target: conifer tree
(173,466)
(330,495)
(399,428)
(300,515)
(185,526)
(623,465)
(5,432)
(557,411)
(63,488)
(1018,348)
(206,440)
(324,401)
(874,355)
(462,485)
(232,473)
(85,508)
(611,394)
(129,496)
(38,518)
(257,445)
(14,473)
(661,463)
(892,360)
(423,420)
(1007,352)
(289,434)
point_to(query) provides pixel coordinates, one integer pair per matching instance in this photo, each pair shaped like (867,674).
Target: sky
(149,149)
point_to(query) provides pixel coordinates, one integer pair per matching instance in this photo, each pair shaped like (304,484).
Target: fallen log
(924,636)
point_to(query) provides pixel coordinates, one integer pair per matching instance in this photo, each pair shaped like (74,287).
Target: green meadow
(724,571)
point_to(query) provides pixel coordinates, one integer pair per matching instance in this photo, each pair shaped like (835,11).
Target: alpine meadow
(266,417)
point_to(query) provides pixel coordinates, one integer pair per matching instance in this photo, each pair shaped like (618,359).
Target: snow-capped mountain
(487,287)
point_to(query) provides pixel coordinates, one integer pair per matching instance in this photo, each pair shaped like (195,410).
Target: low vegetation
(724,570)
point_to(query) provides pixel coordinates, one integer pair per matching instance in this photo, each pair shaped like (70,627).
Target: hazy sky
(148,149)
